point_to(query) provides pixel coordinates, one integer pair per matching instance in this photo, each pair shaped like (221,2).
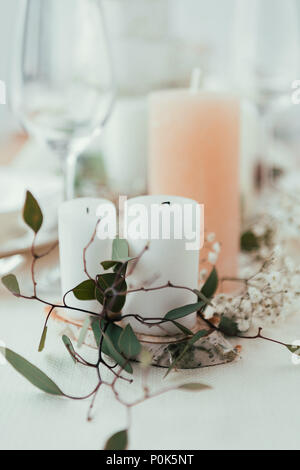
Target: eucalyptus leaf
(210,287)
(294,349)
(84,331)
(184,311)
(194,387)
(187,348)
(70,348)
(109,264)
(113,332)
(228,326)
(129,344)
(116,265)
(97,331)
(112,289)
(118,441)
(110,338)
(182,328)
(202,297)
(120,250)
(85,291)
(43,339)
(31,373)
(11,283)
(249,242)
(104,282)
(116,355)
(32,214)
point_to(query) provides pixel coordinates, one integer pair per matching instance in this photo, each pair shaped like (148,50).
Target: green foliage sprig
(117,346)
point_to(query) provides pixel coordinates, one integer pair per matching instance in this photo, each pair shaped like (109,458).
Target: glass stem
(69,170)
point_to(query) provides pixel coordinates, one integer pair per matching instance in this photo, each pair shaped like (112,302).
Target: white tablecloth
(254,403)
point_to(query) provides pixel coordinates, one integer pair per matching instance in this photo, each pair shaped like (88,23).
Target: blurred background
(251,47)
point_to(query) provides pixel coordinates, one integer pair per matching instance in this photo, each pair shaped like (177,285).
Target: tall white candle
(126,146)
(77,223)
(166,260)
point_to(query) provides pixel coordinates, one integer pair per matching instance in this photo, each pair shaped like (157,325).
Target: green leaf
(182,328)
(110,345)
(115,354)
(202,297)
(114,333)
(294,349)
(249,242)
(120,250)
(129,344)
(43,339)
(228,326)
(118,441)
(189,344)
(85,291)
(184,311)
(84,331)
(70,348)
(31,373)
(210,287)
(32,214)
(116,265)
(194,387)
(11,283)
(97,331)
(109,264)
(104,282)
(110,286)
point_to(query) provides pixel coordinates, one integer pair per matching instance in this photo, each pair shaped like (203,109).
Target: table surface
(254,403)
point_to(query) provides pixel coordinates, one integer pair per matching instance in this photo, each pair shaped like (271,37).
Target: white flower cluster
(270,276)
(214,249)
(268,296)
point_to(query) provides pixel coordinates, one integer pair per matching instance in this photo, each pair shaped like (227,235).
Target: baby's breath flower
(212,257)
(243,325)
(254,295)
(259,230)
(216,247)
(210,237)
(209,312)
(275,280)
(246,306)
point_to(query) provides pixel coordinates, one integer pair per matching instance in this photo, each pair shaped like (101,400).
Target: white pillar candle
(166,259)
(77,224)
(126,146)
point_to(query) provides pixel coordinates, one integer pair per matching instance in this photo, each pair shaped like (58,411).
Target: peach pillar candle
(194,153)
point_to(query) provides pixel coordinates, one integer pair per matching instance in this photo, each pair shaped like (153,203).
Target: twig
(86,249)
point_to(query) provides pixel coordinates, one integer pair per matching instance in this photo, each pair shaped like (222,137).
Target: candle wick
(166,203)
(87,210)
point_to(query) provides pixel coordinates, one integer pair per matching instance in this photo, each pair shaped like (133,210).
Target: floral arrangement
(265,294)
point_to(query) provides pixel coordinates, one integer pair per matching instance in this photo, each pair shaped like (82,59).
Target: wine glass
(62,84)
(266,62)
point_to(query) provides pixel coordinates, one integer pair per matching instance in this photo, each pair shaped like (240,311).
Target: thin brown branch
(87,248)
(137,260)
